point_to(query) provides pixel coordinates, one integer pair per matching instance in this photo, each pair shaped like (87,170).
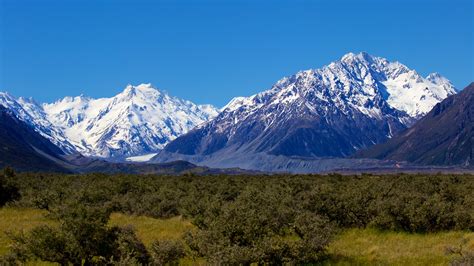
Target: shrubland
(264,219)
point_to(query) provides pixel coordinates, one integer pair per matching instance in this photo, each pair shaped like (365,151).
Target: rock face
(25,149)
(138,121)
(348,105)
(445,136)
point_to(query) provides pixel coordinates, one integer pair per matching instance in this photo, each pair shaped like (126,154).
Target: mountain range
(137,121)
(346,106)
(316,120)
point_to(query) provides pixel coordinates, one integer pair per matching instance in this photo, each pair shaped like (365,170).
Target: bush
(261,226)
(424,204)
(8,192)
(167,252)
(130,248)
(82,238)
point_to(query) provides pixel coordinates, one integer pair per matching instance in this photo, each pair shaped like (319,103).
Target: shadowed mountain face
(348,105)
(25,149)
(445,136)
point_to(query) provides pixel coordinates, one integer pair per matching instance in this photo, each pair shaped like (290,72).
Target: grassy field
(354,246)
(149,229)
(368,246)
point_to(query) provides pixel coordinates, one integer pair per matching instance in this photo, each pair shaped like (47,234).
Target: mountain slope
(333,111)
(31,113)
(25,149)
(445,136)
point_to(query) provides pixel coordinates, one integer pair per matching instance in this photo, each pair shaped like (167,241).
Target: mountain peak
(362,56)
(27,100)
(439,79)
(145,89)
(139,120)
(6,95)
(140,87)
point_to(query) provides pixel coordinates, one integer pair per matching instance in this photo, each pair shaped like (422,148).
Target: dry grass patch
(151,229)
(15,220)
(370,246)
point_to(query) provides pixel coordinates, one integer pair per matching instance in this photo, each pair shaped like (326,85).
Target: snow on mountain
(236,102)
(407,90)
(350,104)
(137,121)
(28,111)
(141,158)
(403,89)
(444,136)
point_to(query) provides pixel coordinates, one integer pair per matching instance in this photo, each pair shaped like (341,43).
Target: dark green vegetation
(238,219)
(82,237)
(8,191)
(445,136)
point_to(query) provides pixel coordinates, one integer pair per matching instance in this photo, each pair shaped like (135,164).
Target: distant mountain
(445,136)
(25,149)
(140,120)
(334,111)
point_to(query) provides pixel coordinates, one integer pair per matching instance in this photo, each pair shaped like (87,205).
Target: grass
(150,229)
(15,220)
(351,247)
(370,246)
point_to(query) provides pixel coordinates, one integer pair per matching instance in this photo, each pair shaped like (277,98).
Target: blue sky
(210,51)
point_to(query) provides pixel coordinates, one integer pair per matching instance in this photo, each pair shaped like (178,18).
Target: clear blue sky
(210,51)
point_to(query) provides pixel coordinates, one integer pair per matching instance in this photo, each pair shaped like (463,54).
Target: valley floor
(351,246)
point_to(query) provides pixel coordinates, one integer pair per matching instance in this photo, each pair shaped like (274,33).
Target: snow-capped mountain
(31,113)
(137,121)
(445,136)
(350,104)
(140,120)
(403,89)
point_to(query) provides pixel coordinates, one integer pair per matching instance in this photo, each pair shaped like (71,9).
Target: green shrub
(167,252)
(261,226)
(82,238)
(8,192)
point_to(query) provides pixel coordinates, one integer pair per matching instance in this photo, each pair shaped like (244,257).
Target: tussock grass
(150,229)
(15,220)
(353,246)
(371,246)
